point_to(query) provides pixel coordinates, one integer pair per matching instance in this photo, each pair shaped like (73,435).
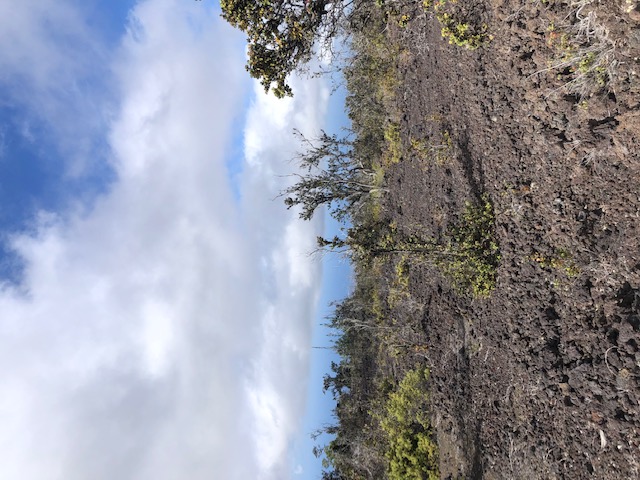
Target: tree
(339,381)
(332,475)
(378,238)
(280,33)
(333,177)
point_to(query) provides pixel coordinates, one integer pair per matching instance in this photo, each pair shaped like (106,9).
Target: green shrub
(462,34)
(454,19)
(393,143)
(473,251)
(412,453)
(399,289)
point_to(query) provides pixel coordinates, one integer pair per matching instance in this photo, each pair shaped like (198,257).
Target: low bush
(473,251)
(412,453)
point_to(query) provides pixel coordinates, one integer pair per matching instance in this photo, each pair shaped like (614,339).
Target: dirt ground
(541,379)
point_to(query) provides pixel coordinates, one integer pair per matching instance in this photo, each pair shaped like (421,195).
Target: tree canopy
(280,33)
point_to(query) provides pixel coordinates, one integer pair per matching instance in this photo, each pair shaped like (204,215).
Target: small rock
(597,417)
(623,379)
(603,439)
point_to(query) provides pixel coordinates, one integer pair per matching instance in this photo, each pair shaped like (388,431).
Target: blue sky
(158,305)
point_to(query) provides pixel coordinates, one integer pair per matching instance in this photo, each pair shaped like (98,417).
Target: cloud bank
(164,333)
(53,62)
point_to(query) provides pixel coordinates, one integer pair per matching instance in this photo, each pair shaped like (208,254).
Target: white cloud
(164,334)
(52,67)
(278,384)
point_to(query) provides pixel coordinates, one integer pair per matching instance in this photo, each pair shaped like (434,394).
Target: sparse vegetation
(399,289)
(457,27)
(561,261)
(428,129)
(393,149)
(440,152)
(585,52)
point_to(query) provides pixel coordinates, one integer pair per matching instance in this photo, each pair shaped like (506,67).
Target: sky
(158,303)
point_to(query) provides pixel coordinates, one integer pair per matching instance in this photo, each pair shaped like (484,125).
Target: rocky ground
(541,379)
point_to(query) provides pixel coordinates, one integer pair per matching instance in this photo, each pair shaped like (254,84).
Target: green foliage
(440,152)
(456,25)
(561,260)
(280,34)
(372,81)
(399,289)
(403,20)
(393,9)
(356,451)
(473,251)
(461,34)
(469,258)
(393,143)
(412,453)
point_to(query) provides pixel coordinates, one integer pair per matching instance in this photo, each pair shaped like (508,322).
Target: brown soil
(541,379)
